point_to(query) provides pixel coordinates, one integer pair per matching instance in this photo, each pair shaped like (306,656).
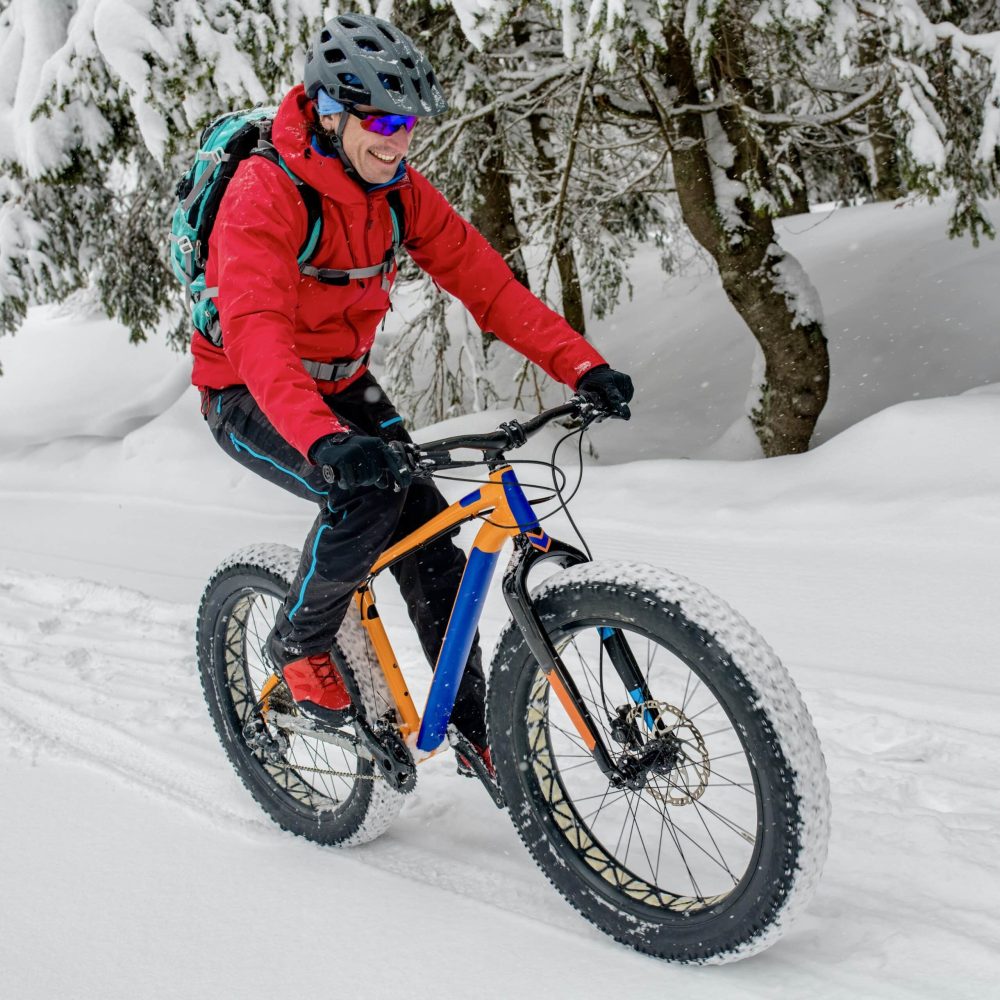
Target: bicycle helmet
(358,59)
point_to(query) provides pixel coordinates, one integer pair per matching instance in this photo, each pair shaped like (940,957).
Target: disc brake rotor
(688,778)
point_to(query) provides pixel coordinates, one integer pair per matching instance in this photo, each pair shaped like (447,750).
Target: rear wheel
(313,788)
(723,837)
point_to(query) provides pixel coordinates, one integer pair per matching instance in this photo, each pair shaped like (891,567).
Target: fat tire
(767,714)
(370,807)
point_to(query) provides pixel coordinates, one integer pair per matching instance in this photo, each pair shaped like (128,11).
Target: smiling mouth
(382,158)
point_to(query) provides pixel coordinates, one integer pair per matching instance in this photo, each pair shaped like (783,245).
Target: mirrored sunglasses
(383,124)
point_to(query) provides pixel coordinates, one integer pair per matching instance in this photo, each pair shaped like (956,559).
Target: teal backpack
(225,143)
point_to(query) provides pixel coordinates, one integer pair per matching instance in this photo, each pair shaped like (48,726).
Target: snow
(908,314)
(793,283)
(140,867)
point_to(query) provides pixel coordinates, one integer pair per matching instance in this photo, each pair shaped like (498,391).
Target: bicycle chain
(338,774)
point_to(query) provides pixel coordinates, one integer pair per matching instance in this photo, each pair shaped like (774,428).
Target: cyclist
(289,390)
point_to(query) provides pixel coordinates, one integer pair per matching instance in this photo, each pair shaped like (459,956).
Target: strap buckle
(215,156)
(335,371)
(184,244)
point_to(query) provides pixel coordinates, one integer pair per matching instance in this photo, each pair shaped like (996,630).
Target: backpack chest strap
(333,276)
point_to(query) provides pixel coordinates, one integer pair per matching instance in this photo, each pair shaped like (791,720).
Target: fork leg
(522,610)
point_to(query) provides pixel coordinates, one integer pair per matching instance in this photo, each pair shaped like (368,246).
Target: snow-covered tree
(572,120)
(99,104)
(526,156)
(740,90)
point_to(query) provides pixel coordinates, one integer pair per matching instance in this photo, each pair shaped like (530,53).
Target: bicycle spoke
(570,736)
(731,824)
(677,828)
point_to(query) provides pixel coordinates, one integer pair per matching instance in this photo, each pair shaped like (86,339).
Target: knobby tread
(800,810)
(277,564)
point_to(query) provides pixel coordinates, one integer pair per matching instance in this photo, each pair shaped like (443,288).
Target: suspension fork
(515,591)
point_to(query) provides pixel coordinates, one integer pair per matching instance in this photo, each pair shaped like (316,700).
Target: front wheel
(710,854)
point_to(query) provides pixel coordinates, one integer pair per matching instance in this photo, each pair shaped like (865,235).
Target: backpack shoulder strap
(395,201)
(310,196)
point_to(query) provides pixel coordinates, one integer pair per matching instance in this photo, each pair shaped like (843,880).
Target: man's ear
(329,123)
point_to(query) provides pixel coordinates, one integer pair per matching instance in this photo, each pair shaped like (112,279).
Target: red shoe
(318,689)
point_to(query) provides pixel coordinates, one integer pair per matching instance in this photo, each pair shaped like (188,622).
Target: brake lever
(590,412)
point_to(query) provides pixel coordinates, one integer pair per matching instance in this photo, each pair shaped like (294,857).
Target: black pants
(352,529)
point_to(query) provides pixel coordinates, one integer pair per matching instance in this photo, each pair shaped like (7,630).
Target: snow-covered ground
(137,866)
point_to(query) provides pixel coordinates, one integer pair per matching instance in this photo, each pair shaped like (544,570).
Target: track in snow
(105,677)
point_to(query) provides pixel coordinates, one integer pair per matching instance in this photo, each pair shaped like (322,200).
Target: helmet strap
(337,141)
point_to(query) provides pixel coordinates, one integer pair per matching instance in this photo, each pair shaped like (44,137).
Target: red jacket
(272,315)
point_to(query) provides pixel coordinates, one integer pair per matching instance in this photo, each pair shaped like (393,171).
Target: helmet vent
(354,56)
(391,82)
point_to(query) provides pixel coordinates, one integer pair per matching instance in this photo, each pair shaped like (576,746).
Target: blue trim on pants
(240,446)
(309,575)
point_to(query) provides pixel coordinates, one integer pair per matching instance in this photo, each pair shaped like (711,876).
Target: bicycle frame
(511,516)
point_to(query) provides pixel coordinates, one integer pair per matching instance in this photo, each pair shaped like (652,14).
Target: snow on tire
(236,613)
(712,857)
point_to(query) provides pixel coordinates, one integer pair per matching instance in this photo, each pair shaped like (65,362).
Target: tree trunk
(493,212)
(797,369)
(886,185)
(569,277)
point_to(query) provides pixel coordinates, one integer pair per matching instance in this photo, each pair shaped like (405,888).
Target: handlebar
(421,461)
(425,459)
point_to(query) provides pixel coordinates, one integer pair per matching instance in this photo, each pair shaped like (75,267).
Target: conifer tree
(100,104)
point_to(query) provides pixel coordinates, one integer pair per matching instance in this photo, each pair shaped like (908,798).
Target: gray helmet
(358,59)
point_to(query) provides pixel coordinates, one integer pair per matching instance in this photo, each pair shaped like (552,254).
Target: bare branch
(840,114)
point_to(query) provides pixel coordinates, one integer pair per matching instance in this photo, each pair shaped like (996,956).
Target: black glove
(356,460)
(610,389)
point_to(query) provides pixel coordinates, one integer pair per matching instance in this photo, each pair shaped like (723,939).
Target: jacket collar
(291,134)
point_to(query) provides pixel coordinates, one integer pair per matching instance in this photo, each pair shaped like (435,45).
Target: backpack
(225,143)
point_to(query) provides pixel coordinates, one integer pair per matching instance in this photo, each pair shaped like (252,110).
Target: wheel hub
(673,751)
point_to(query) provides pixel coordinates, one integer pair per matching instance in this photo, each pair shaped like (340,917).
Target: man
(289,390)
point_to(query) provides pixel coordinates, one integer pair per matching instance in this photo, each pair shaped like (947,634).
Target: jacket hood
(292,134)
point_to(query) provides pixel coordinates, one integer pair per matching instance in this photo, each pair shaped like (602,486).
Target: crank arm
(468,751)
(389,753)
(303,727)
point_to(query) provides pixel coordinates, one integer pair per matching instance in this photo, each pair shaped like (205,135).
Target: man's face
(375,157)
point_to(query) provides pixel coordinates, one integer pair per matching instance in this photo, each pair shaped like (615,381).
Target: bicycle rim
(315,775)
(689,837)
